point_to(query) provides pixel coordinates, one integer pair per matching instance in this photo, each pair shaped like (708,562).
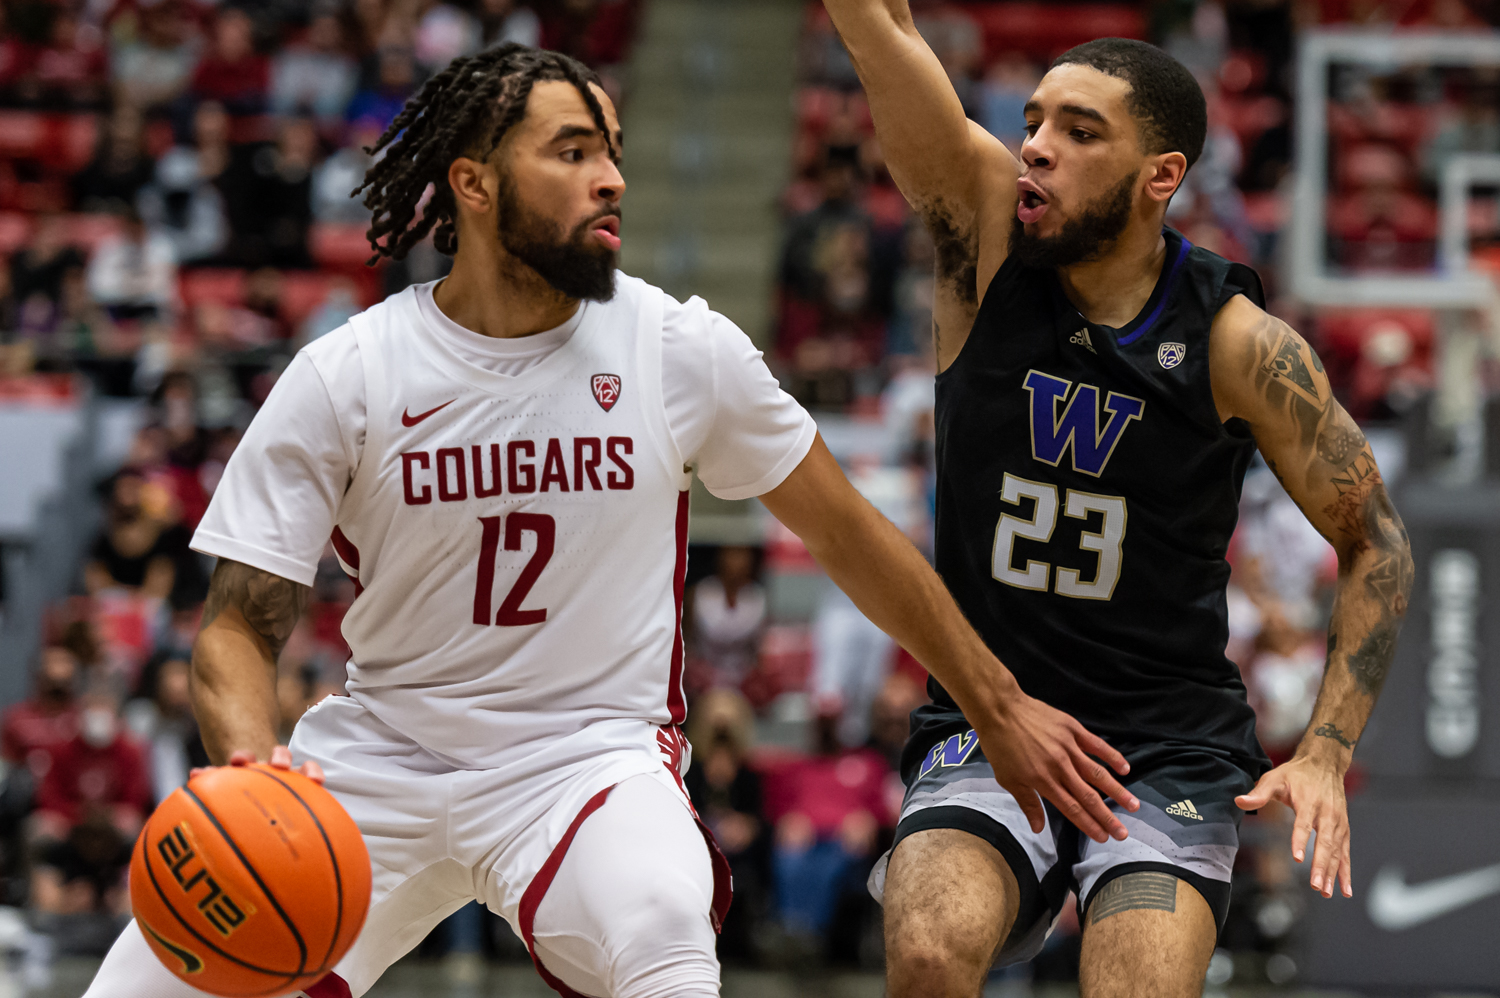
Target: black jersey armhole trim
(1215,892)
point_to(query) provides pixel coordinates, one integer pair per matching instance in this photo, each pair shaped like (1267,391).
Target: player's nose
(1035,151)
(610,185)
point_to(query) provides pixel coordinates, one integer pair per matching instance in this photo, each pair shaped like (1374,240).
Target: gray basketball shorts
(1187,826)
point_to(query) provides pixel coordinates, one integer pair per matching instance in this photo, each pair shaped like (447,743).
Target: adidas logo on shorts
(1081,338)
(1184,809)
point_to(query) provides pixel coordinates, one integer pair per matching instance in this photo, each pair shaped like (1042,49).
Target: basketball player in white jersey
(502,460)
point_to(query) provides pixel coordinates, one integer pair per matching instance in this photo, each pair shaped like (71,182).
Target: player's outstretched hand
(1036,750)
(1315,793)
(281,758)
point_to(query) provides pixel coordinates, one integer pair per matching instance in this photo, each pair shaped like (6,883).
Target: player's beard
(1086,236)
(573,264)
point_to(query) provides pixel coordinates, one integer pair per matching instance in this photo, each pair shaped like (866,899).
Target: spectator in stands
(834,807)
(70,71)
(341,173)
(39,266)
(503,21)
(728,616)
(392,77)
(185,207)
(826,275)
(232,72)
(162,718)
(133,274)
(316,77)
(135,549)
(910,331)
(33,729)
(339,307)
(90,807)
(273,227)
(444,33)
(955,39)
(1008,85)
(120,168)
(726,790)
(154,66)
(210,159)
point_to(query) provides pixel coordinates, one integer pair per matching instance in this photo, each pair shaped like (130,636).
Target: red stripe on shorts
(537,889)
(676,701)
(331,986)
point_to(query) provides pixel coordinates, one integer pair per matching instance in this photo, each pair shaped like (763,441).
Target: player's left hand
(281,758)
(1315,792)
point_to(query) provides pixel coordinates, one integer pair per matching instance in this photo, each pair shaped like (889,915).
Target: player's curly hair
(465,110)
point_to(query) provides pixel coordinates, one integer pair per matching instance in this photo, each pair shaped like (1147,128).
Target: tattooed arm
(1267,375)
(246,622)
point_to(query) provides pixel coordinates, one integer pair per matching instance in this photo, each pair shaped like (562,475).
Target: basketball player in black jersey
(1103,387)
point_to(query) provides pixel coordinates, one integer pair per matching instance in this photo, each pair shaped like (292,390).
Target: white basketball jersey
(519,543)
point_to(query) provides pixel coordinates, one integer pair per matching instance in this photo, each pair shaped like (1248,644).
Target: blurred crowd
(176,219)
(176,222)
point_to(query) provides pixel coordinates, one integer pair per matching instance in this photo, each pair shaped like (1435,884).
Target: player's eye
(1032,126)
(573,155)
(1081,135)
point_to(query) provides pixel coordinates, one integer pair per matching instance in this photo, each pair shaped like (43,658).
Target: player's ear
(474,184)
(1168,169)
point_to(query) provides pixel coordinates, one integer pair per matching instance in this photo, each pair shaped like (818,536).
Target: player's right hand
(1038,752)
(281,758)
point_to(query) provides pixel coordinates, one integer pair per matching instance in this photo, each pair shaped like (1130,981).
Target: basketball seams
(292,926)
(151,872)
(333,860)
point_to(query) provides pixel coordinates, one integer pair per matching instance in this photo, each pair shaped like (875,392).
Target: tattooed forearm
(1149,890)
(270,604)
(1329,731)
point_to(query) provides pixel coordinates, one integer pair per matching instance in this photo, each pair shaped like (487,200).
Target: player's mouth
(1032,204)
(607,231)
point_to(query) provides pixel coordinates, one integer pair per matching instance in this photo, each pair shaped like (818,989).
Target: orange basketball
(250,881)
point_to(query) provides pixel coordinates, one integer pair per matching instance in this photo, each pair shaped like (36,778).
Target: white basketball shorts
(598,864)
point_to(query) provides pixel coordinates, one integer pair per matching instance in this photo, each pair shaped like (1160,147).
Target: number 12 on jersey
(516,524)
(1106,542)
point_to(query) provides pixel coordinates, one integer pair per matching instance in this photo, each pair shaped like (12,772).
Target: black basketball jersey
(1086,495)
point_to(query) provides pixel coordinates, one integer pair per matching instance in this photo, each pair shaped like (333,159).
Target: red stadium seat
(211,284)
(1044,31)
(340,246)
(302,292)
(15,229)
(61,141)
(88,231)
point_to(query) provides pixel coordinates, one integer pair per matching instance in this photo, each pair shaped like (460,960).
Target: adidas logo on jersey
(1184,809)
(1081,338)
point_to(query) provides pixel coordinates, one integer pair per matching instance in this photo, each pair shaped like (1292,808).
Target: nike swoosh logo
(1395,905)
(409,420)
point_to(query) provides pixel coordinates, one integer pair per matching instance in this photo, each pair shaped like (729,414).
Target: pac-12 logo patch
(606,390)
(1169,355)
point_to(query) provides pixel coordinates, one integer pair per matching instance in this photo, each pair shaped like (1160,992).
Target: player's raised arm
(1033,748)
(247,619)
(1267,375)
(956,176)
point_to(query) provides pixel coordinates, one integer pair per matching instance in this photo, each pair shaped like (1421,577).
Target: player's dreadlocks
(463,111)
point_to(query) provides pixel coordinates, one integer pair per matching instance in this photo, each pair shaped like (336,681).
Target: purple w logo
(951,751)
(1078,426)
